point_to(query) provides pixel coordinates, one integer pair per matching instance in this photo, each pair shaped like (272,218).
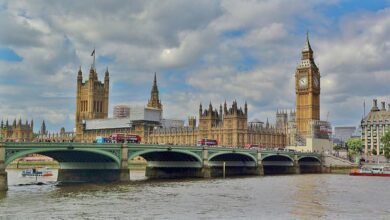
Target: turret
(220,112)
(307,52)
(383,106)
(374,105)
(32,124)
(79,76)
(91,73)
(200,109)
(106,76)
(246,108)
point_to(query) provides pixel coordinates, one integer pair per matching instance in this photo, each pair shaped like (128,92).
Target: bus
(251,146)
(207,142)
(119,138)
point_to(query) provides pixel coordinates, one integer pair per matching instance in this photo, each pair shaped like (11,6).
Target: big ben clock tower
(307,90)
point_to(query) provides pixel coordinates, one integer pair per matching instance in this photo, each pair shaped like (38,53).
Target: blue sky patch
(9,55)
(105,59)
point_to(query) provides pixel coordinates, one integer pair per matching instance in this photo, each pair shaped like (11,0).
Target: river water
(311,196)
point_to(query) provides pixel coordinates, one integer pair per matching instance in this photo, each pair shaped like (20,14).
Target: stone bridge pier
(3,174)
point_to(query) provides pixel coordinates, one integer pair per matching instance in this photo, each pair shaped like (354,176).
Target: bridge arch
(309,159)
(309,164)
(278,164)
(275,156)
(164,154)
(74,155)
(233,155)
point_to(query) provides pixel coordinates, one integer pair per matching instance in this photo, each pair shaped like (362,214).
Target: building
(43,130)
(91,99)
(61,136)
(307,89)
(17,131)
(229,126)
(374,125)
(343,133)
(121,111)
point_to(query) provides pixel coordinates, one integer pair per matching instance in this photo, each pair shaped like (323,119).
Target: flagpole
(94,58)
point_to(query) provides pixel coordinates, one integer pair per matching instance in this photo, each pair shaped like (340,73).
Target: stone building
(61,136)
(374,125)
(17,131)
(91,99)
(229,126)
(307,89)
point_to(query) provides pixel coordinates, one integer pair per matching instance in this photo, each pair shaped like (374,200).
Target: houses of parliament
(227,124)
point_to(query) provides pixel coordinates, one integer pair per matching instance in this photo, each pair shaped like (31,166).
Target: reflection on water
(275,197)
(309,198)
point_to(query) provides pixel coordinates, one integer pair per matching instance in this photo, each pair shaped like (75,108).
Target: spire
(106,75)
(154,101)
(80,73)
(307,46)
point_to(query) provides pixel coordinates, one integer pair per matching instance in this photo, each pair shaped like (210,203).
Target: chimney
(383,106)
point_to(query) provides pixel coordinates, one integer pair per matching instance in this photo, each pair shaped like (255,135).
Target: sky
(204,51)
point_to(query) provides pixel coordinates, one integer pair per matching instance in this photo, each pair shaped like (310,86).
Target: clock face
(303,82)
(316,81)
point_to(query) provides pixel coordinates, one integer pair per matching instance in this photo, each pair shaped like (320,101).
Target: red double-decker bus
(207,142)
(121,138)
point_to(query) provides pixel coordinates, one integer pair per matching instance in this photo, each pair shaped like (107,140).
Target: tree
(337,147)
(355,146)
(386,144)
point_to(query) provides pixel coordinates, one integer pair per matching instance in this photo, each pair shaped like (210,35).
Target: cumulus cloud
(208,51)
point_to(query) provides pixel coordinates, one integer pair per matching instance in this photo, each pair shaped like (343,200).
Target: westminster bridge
(87,162)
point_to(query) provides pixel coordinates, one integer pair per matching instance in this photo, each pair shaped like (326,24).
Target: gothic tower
(307,90)
(281,119)
(235,124)
(91,99)
(154,101)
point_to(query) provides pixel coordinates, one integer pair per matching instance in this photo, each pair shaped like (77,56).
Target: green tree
(337,147)
(355,146)
(386,144)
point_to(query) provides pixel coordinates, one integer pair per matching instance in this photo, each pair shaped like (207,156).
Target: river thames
(311,196)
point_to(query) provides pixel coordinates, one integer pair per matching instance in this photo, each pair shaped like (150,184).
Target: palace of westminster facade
(228,124)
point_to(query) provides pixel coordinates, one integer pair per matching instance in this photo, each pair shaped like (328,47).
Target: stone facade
(307,84)
(374,125)
(17,131)
(91,99)
(229,127)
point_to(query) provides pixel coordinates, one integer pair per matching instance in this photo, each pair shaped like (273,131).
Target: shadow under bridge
(233,164)
(171,164)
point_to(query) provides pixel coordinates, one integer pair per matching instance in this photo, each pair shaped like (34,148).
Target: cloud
(208,51)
